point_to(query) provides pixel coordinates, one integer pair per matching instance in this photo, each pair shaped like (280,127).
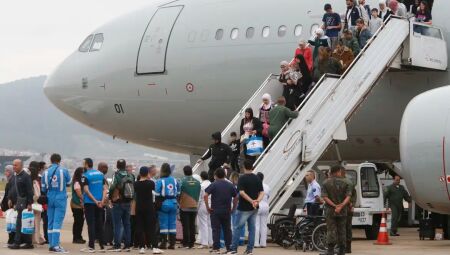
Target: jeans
(188,221)
(94,222)
(242,218)
(221,221)
(121,224)
(78,222)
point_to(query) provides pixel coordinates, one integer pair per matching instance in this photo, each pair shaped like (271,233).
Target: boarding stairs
(331,103)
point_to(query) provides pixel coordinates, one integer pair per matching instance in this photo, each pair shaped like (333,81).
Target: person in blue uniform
(167,190)
(54,183)
(94,199)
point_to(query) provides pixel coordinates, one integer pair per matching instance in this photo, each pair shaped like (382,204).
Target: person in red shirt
(305,50)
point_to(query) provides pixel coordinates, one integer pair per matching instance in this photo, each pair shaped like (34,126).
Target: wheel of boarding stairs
(319,237)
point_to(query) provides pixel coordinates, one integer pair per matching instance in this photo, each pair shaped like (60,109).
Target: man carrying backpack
(121,194)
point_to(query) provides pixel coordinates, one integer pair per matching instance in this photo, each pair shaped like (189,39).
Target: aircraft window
(266,31)
(298,30)
(86,44)
(97,43)
(427,31)
(282,31)
(369,183)
(234,33)
(250,32)
(352,176)
(219,34)
(204,35)
(314,28)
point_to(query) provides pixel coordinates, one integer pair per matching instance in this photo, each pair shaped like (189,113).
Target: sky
(35,36)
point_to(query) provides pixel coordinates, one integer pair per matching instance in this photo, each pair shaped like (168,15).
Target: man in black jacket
(220,153)
(21,198)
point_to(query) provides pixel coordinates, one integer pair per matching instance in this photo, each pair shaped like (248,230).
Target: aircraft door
(154,43)
(427,47)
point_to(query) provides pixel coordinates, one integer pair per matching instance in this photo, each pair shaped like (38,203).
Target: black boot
(163,244)
(330,250)
(341,250)
(172,241)
(348,247)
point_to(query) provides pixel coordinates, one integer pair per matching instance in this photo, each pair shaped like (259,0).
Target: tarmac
(406,244)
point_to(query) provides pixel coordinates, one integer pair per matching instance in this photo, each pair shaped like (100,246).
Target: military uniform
(336,189)
(395,195)
(348,230)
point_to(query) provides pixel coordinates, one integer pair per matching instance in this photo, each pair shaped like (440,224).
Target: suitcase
(426,227)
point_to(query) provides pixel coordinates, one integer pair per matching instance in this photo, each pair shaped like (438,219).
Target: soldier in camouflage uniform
(395,194)
(336,192)
(348,232)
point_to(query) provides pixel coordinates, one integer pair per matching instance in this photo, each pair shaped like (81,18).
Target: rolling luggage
(426,227)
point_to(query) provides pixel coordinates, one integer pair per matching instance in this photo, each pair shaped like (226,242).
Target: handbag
(43,200)
(254,146)
(27,222)
(11,219)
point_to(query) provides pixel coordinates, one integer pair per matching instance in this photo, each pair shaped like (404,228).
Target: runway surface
(406,244)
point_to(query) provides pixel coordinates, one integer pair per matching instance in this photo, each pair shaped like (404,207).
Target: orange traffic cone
(383,237)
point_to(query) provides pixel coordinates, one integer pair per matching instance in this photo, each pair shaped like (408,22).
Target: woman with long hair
(76,204)
(34,174)
(424,14)
(250,126)
(167,191)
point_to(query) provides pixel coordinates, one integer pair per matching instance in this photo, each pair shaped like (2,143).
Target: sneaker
(248,252)
(27,246)
(201,247)
(214,251)
(79,241)
(87,250)
(232,252)
(142,251)
(157,251)
(102,249)
(114,249)
(59,250)
(126,249)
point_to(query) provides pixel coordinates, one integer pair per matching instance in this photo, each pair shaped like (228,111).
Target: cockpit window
(84,47)
(97,43)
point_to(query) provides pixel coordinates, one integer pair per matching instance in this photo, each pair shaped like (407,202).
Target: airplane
(171,74)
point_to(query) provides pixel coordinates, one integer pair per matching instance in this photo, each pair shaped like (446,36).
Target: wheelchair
(303,232)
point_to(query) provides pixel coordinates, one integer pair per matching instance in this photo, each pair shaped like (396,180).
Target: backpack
(126,188)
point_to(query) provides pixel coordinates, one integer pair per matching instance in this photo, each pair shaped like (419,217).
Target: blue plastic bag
(254,145)
(27,222)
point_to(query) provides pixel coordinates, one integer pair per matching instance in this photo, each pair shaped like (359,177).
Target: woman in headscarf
(264,110)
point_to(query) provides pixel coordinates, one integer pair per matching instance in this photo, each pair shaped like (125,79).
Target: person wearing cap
(319,39)
(305,50)
(145,210)
(351,15)
(220,153)
(331,24)
(189,196)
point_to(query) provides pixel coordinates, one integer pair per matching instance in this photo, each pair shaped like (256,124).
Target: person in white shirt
(375,22)
(262,217)
(203,219)
(365,11)
(313,200)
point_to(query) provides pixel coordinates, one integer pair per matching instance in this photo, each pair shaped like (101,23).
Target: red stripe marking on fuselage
(444,166)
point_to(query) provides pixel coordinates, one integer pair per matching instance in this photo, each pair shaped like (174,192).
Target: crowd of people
(139,212)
